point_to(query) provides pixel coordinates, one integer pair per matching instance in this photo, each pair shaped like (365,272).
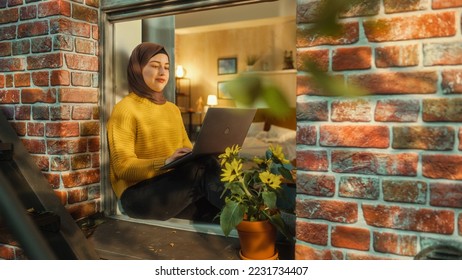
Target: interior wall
(199,52)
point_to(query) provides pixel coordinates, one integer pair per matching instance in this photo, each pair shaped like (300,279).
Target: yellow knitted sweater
(141,136)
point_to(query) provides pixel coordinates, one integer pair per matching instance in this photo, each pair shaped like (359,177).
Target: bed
(266,130)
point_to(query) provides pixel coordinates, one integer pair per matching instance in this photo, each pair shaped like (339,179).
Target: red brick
(393,243)
(329,210)
(442,110)
(34,146)
(31,29)
(5,48)
(84,46)
(95,35)
(307,37)
(60,78)
(67,146)
(316,185)
(8,32)
(84,13)
(442,166)
(312,160)
(22,112)
(356,256)
(81,79)
(65,26)
(360,8)
(351,110)
(9,15)
(60,163)
(78,95)
(53,8)
(82,210)
(397,56)
(446,195)
(313,111)
(95,160)
(442,54)
(359,187)
(364,162)
(439,138)
(312,233)
(43,61)
(404,191)
(21,47)
(60,112)
(42,162)
(397,82)
(11,64)
(28,12)
(395,110)
(393,6)
(33,95)
(443,4)
(303,252)
(41,44)
(63,42)
(452,81)
(35,129)
(319,59)
(40,112)
(62,129)
(413,27)
(422,220)
(53,179)
(9,96)
(81,161)
(82,112)
(7,252)
(92,3)
(81,62)
(77,195)
(90,128)
(94,144)
(351,238)
(81,178)
(364,136)
(41,78)
(356,58)
(306,134)
(2,81)
(22,79)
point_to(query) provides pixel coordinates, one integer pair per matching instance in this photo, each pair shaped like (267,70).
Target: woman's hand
(177,154)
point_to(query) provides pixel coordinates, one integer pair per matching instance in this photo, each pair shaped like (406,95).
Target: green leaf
(270,199)
(278,222)
(236,188)
(231,215)
(285,173)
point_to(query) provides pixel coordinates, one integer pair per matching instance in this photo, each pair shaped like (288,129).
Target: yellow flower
(279,154)
(230,153)
(232,171)
(270,179)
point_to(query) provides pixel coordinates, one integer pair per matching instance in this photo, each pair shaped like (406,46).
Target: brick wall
(49,91)
(380,175)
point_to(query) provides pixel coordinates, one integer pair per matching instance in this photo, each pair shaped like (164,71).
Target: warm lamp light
(180,71)
(212,100)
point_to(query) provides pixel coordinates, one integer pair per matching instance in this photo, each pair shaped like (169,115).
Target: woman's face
(156,72)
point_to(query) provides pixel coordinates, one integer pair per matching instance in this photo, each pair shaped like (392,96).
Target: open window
(201,35)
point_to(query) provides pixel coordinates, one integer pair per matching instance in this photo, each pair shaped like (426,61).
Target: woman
(145,131)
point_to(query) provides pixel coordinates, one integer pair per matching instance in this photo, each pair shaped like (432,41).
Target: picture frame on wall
(222,92)
(227,66)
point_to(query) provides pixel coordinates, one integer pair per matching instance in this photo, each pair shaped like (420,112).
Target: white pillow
(255,128)
(281,133)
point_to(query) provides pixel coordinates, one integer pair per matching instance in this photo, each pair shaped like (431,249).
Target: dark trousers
(174,193)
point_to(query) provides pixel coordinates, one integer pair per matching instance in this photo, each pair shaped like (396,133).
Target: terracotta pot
(257,240)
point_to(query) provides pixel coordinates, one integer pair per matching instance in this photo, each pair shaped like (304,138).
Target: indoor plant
(251,192)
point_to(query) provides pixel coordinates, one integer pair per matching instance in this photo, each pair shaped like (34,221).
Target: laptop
(221,128)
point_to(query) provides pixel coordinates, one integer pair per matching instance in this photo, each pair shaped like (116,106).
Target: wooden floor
(124,240)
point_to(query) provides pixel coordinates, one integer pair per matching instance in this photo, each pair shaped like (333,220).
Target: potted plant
(251,192)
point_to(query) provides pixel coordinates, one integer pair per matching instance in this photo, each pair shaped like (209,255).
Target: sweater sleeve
(126,165)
